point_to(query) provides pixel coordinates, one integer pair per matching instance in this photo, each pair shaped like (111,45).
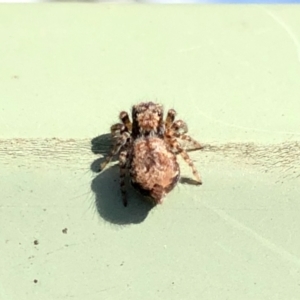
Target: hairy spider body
(147,147)
(154,170)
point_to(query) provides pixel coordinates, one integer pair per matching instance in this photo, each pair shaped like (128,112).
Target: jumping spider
(148,147)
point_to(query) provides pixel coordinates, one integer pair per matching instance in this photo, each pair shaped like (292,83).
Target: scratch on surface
(57,153)
(288,30)
(250,232)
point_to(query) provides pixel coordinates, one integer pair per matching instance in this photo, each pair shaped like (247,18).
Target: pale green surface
(232,72)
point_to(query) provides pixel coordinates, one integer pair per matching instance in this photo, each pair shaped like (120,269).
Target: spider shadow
(107,192)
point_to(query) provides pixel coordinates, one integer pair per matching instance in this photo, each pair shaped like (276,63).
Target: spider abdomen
(154,170)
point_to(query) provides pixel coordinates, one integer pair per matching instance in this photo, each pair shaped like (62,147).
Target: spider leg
(120,142)
(125,120)
(123,167)
(117,129)
(180,129)
(187,159)
(196,145)
(170,118)
(179,150)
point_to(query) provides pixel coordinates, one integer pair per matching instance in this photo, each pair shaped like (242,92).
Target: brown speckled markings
(147,148)
(154,170)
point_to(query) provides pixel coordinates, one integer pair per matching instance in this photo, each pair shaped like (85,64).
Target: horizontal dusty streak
(60,152)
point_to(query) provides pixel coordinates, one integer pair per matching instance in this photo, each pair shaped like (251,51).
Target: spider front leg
(125,120)
(117,129)
(170,118)
(120,142)
(179,129)
(123,169)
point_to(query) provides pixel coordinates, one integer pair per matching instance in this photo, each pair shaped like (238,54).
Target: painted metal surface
(232,72)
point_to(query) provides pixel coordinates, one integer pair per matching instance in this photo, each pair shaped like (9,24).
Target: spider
(147,148)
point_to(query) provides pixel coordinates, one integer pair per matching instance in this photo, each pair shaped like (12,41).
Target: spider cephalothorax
(147,119)
(148,148)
